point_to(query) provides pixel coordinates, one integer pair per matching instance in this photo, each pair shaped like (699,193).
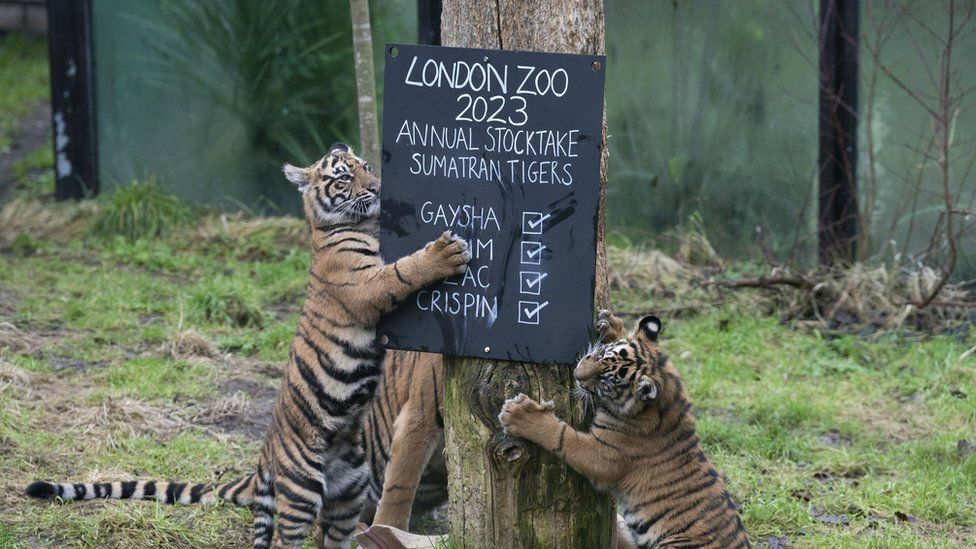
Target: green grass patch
(271,344)
(142,209)
(158,378)
(225,301)
(803,424)
(23,79)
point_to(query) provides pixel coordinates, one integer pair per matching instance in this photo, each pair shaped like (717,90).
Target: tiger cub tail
(238,492)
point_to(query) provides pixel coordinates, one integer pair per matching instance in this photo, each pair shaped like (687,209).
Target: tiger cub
(403,435)
(641,446)
(312,466)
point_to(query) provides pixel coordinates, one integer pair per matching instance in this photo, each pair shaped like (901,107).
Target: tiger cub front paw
(610,327)
(521,415)
(449,255)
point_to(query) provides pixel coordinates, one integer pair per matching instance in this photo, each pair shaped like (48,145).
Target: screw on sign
(503,149)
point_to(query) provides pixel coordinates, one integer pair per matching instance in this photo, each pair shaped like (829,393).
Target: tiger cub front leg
(525,418)
(445,257)
(390,284)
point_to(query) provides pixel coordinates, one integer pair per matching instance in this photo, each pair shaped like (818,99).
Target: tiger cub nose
(374,186)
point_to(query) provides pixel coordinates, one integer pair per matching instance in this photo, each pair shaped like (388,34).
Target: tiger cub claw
(521,413)
(451,253)
(609,326)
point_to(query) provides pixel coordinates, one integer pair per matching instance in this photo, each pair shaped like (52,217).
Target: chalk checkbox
(532,222)
(530,282)
(532,252)
(530,311)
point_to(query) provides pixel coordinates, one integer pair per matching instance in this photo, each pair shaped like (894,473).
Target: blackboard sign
(503,149)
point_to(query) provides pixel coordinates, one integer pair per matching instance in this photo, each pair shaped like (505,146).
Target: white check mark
(532,312)
(532,283)
(533,253)
(536,224)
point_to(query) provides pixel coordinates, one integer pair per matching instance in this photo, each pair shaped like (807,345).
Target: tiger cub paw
(449,254)
(610,327)
(521,415)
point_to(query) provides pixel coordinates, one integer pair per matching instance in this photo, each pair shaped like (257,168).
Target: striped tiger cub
(641,446)
(403,435)
(312,466)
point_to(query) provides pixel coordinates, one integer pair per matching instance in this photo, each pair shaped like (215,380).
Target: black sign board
(503,149)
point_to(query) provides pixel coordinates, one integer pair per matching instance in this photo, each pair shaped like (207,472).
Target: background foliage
(707,115)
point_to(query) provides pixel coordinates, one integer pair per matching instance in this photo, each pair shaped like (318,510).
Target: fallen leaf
(781,542)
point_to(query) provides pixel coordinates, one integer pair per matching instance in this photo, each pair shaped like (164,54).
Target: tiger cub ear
(298,176)
(339,148)
(647,389)
(651,327)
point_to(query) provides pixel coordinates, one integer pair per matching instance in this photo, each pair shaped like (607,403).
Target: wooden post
(504,493)
(72,98)
(362,47)
(838,216)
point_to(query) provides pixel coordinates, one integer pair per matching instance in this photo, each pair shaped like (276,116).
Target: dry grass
(16,340)
(879,297)
(861,296)
(224,408)
(58,221)
(188,344)
(12,377)
(241,229)
(116,416)
(694,248)
(642,268)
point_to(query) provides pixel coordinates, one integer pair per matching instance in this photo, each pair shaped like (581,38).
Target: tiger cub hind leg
(343,498)
(417,433)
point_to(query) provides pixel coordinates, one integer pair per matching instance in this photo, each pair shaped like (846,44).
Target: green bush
(142,209)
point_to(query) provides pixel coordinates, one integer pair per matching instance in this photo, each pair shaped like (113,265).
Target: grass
(141,338)
(826,440)
(34,173)
(24,81)
(142,209)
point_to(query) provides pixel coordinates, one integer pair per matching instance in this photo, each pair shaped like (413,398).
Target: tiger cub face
(624,372)
(339,188)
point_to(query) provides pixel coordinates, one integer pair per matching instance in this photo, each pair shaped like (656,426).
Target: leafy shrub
(143,209)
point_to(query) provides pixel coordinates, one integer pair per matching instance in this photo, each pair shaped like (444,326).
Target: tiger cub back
(642,445)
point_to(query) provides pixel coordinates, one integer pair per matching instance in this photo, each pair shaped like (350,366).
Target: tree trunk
(838,211)
(505,493)
(362,47)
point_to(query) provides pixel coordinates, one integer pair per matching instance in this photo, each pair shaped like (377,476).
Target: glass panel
(211,97)
(715,115)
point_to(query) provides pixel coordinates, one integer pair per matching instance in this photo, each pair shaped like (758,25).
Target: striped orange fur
(641,446)
(403,436)
(312,467)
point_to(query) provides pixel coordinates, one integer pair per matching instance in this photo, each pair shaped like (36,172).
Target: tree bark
(505,493)
(838,208)
(362,46)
